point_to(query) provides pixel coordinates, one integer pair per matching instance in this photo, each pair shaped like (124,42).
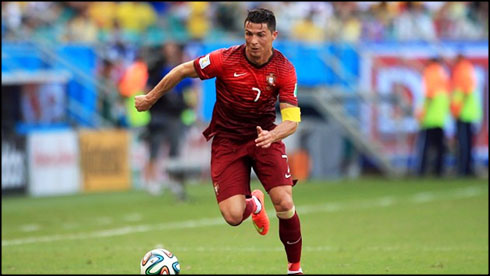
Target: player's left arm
(290,120)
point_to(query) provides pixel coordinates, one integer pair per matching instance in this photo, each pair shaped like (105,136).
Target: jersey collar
(254,65)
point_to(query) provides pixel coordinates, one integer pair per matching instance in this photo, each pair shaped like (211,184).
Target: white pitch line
(423,197)
(305,209)
(29,227)
(104,220)
(133,217)
(118,231)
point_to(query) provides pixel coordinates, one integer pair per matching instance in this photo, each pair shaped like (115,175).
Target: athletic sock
(250,206)
(290,235)
(258,205)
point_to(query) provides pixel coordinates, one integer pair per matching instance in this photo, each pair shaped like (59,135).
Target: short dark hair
(262,15)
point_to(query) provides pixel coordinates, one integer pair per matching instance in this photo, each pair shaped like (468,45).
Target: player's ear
(274,35)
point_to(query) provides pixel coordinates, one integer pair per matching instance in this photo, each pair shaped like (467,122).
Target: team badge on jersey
(204,61)
(271,79)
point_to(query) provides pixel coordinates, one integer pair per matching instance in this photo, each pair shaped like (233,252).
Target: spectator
(307,30)
(103,14)
(377,23)
(135,17)
(109,94)
(345,26)
(226,14)
(183,20)
(198,21)
(52,101)
(414,23)
(31,109)
(81,28)
(11,17)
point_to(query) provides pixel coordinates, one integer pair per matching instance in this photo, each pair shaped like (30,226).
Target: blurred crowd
(154,22)
(133,35)
(137,43)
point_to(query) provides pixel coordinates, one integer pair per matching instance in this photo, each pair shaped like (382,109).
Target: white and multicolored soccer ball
(159,261)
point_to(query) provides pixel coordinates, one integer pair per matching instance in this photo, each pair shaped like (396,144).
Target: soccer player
(249,80)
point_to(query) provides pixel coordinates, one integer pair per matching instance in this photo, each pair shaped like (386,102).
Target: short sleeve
(288,90)
(210,65)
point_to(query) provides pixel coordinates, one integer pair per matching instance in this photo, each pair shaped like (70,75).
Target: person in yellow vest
(466,110)
(432,116)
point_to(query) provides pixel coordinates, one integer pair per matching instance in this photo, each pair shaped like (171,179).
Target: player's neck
(259,61)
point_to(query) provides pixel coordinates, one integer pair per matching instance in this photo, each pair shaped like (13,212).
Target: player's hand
(265,138)
(142,103)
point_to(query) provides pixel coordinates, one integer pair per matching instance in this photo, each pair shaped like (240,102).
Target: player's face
(258,39)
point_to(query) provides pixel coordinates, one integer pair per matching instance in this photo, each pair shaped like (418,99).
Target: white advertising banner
(53,163)
(14,164)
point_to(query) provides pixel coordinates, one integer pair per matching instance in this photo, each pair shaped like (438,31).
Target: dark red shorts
(231,164)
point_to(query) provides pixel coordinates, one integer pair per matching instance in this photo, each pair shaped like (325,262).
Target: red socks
(290,235)
(249,208)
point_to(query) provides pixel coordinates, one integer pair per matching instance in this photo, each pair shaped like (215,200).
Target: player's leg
(233,209)
(230,172)
(272,168)
(289,226)
(234,206)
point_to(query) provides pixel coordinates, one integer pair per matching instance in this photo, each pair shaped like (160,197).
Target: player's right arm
(178,73)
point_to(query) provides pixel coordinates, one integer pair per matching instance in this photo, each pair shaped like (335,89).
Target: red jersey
(246,94)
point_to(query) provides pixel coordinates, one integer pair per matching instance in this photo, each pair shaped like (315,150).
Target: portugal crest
(271,79)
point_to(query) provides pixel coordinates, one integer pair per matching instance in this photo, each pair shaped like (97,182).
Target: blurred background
(70,71)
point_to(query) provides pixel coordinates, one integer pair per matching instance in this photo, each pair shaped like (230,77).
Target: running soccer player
(249,79)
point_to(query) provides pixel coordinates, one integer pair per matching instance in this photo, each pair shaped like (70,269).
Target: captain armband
(291,114)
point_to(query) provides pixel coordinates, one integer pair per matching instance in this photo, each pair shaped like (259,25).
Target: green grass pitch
(362,226)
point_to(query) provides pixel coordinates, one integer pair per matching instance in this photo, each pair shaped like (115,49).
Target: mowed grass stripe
(327,249)
(384,201)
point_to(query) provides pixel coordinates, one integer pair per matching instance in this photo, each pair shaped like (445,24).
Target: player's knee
(283,205)
(233,218)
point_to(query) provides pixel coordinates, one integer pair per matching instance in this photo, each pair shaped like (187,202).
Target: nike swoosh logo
(261,229)
(238,75)
(287,175)
(288,242)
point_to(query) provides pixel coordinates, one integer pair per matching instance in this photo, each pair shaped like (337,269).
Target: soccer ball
(159,261)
